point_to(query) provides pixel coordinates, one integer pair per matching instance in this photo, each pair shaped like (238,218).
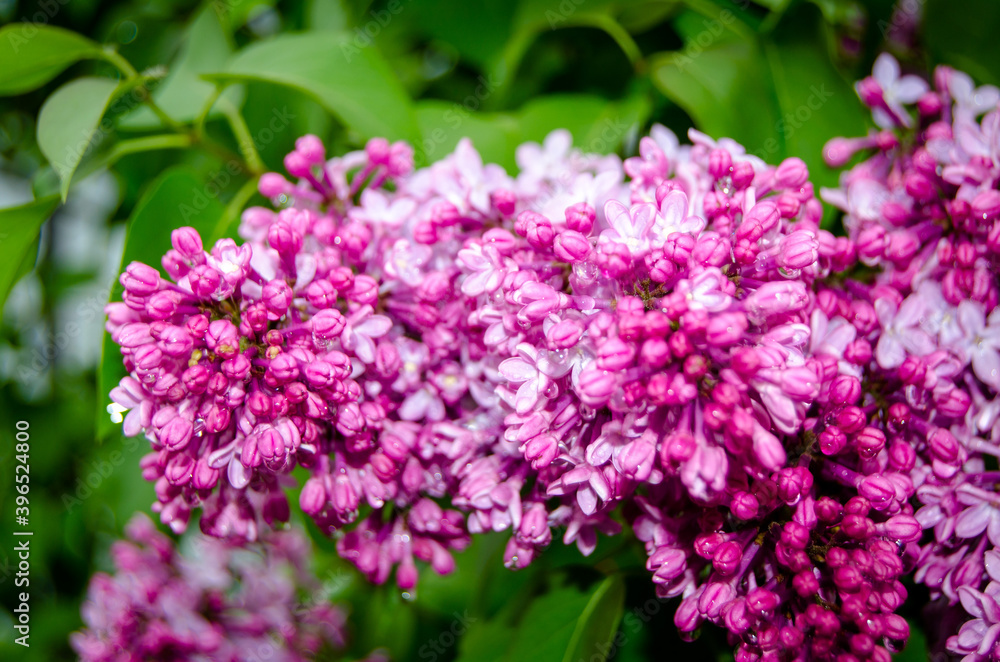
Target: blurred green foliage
(233,83)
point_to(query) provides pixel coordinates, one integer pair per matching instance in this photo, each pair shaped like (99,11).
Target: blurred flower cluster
(215,602)
(669,343)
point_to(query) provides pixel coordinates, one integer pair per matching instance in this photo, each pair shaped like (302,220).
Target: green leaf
(32,55)
(68,123)
(177,198)
(183,94)
(597,125)
(442,124)
(778,94)
(19,228)
(597,625)
(329,15)
(713,85)
(965,36)
(477,30)
(814,101)
(355,84)
(570,623)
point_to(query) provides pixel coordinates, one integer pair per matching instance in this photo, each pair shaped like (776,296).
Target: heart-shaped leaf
(32,55)
(19,228)
(69,124)
(354,83)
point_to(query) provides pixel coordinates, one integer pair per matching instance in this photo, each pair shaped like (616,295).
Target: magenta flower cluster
(670,342)
(923,210)
(215,601)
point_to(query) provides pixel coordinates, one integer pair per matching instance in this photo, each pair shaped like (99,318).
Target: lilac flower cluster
(923,209)
(216,602)
(670,342)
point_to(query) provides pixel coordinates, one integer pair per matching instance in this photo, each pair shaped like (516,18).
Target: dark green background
(501,72)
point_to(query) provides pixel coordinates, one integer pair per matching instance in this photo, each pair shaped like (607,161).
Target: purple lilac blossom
(670,342)
(922,208)
(216,602)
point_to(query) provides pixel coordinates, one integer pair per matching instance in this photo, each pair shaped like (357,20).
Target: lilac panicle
(671,338)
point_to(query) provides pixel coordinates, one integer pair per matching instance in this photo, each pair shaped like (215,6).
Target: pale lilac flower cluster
(923,208)
(215,602)
(666,342)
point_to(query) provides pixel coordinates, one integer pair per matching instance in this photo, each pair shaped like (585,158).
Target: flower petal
(973,521)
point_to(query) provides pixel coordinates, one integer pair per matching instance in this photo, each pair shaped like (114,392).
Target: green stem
(134,146)
(621,36)
(252,163)
(232,210)
(130,74)
(243,137)
(149,143)
(199,124)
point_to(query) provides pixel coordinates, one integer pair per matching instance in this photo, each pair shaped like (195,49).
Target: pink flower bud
(571,246)
(312,498)
(777,297)
(272,185)
(140,280)
(500,239)
(798,250)
(879,490)
(540,451)
(176,434)
(327,324)
(283,238)
(636,459)
(565,334)
(726,329)
(580,217)
(904,528)
(615,354)
(871,242)
(311,148)
(712,250)
(744,505)
(792,173)
(222,338)
(654,352)
(727,558)
(187,242)
(596,386)
(742,174)
(870,442)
